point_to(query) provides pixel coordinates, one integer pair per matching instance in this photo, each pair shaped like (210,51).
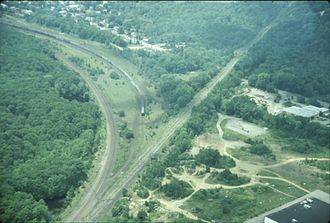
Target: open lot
(247,129)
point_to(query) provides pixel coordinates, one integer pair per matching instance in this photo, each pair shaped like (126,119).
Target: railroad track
(118,181)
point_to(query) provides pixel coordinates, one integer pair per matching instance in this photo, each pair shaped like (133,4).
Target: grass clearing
(278,139)
(284,187)
(304,176)
(266,173)
(244,155)
(234,205)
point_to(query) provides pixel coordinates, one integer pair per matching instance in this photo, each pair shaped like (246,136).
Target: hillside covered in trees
(49,128)
(199,37)
(294,55)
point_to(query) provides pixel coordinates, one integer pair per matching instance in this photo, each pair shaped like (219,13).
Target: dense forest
(48,118)
(294,54)
(208,34)
(49,128)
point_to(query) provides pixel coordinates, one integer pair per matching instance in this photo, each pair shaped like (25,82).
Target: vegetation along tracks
(119,181)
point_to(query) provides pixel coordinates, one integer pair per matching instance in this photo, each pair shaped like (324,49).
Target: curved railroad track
(120,180)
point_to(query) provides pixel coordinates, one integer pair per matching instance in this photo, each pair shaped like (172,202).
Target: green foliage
(301,128)
(77,60)
(244,107)
(294,54)
(48,126)
(211,157)
(234,205)
(114,75)
(260,149)
(22,207)
(286,125)
(176,93)
(125,192)
(226,177)
(120,209)
(142,215)
(152,205)
(143,192)
(151,178)
(121,114)
(95,71)
(300,147)
(263,81)
(177,189)
(125,131)
(321,164)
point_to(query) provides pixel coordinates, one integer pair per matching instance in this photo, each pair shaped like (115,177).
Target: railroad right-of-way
(93,211)
(121,180)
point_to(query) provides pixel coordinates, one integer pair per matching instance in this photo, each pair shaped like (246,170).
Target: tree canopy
(49,127)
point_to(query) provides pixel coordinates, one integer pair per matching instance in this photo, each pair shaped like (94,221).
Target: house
(307,211)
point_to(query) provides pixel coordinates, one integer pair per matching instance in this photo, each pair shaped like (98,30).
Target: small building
(307,211)
(317,109)
(306,113)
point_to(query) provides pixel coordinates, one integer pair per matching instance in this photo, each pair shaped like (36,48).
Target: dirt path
(93,211)
(242,168)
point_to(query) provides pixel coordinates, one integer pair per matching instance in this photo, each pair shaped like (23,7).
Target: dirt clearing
(247,129)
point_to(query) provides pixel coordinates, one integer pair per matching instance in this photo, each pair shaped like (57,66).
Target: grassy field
(303,175)
(275,138)
(121,97)
(234,205)
(266,173)
(284,187)
(244,155)
(229,134)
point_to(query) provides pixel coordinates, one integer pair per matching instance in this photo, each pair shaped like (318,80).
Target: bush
(121,114)
(260,149)
(177,189)
(228,178)
(143,192)
(114,75)
(212,158)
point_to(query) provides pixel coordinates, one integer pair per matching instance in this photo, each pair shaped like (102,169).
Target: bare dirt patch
(264,98)
(247,129)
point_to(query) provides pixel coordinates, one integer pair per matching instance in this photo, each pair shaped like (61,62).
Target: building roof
(307,211)
(316,109)
(307,113)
